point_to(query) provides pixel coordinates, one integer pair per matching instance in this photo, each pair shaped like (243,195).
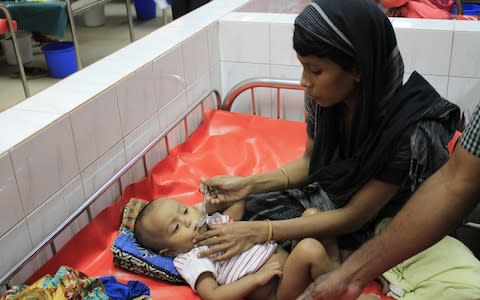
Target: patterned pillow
(129,255)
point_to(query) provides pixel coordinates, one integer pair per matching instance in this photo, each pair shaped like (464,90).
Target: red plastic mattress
(226,143)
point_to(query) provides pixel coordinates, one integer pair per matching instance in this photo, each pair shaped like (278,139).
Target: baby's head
(167,226)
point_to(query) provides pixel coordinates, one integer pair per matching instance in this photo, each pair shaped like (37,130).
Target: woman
(182,7)
(371,140)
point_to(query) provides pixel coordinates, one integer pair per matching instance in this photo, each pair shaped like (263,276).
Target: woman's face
(328,82)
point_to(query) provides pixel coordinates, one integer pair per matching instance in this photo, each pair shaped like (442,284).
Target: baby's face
(174,225)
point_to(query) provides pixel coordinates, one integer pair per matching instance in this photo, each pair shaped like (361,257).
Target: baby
(266,271)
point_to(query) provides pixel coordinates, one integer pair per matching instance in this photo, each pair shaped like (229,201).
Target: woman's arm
(296,174)
(234,188)
(363,206)
(236,237)
(208,288)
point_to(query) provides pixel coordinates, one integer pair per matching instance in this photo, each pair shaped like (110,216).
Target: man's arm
(439,205)
(434,209)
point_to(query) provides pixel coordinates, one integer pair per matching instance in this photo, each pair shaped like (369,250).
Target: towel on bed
(447,270)
(129,255)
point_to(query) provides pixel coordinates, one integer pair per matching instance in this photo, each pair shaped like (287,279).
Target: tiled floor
(95,43)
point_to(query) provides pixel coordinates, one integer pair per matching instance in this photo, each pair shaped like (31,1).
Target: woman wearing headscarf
(371,139)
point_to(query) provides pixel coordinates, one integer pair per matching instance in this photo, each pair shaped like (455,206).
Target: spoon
(204,217)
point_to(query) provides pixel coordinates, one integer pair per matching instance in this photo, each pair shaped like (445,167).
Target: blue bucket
(146,9)
(468,9)
(61,60)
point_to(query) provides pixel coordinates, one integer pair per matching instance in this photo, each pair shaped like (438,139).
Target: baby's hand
(267,272)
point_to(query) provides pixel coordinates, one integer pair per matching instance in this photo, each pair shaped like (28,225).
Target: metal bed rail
(253,83)
(49,240)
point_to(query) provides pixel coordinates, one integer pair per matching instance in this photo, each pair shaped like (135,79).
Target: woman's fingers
(207,238)
(202,187)
(214,196)
(220,251)
(226,240)
(215,251)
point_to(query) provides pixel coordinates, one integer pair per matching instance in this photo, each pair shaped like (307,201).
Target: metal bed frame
(78,7)
(249,84)
(16,48)
(253,83)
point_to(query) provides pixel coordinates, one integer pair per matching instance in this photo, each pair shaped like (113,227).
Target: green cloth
(448,270)
(47,17)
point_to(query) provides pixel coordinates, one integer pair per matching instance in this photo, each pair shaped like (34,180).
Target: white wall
(445,52)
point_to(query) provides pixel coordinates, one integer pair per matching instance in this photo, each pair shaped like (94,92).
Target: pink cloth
(426,9)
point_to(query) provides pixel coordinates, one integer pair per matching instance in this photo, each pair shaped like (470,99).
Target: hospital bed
(216,141)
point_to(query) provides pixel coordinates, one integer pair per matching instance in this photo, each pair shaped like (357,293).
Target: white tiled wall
(45,163)
(445,52)
(137,99)
(138,139)
(96,127)
(14,244)
(59,146)
(464,81)
(10,205)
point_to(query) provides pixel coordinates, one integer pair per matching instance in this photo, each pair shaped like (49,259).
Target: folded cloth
(133,290)
(129,255)
(447,270)
(131,212)
(66,284)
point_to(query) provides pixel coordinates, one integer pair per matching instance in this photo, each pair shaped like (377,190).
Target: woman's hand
(227,240)
(226,188)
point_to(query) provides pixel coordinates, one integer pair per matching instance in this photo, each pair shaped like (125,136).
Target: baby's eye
(176,228)
(185,211)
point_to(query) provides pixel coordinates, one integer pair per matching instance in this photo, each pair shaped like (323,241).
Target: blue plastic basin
(61,60)
(468,9)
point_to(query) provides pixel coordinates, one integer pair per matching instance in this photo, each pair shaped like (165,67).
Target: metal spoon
(204,217)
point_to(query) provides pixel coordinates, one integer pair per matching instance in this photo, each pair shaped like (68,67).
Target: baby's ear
(167,252)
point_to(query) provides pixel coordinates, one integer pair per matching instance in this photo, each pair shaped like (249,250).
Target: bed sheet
(226,143)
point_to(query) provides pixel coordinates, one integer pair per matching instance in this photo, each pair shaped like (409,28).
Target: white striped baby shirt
(191,267)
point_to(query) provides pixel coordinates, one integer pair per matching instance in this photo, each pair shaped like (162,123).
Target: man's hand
(331,286)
